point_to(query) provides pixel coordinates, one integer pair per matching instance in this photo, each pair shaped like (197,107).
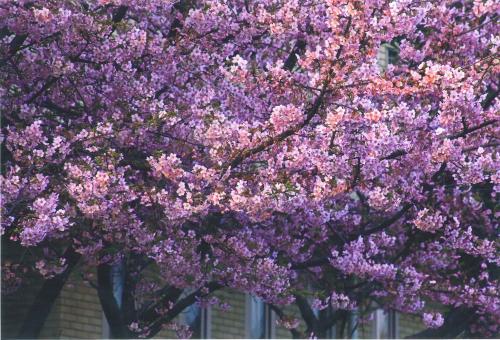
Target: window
(388,53)
(198,319)
(259,319)
(385,325)
(118,280)
(353,324)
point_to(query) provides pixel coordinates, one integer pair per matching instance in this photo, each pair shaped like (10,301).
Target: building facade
(77,314)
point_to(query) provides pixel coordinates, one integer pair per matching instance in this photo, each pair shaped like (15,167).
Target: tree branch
(465,132)
(311,112)
(180,306)
(291,61)
(455,322)
(295,334)
(381,226)
(307,314)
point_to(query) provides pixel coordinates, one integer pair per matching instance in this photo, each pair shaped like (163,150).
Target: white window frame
(205,319)
(384,55)
(269,318)
(105,330)
(383,319)
(353,322)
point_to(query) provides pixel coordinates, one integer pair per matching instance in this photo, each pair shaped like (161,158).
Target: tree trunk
(44,300)
(109,303)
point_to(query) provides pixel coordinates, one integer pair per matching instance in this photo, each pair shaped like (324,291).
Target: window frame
(269,318)
(383,319)
(205,319)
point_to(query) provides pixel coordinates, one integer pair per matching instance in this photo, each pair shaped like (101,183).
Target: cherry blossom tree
(255,145)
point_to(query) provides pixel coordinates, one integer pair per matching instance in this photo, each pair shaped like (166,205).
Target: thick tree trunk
(110,305)
(44,300)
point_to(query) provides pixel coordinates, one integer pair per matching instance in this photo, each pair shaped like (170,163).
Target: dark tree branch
(329,320)
(398,153)
(51,81)
(295,333)
(120,13)
(307,314)
(17,42)
(180,306)
(48,104)
(455,322)
(395,154)
(168,294)
(292,59)
(490,97)
(465,132)
(311,112)
(385,224)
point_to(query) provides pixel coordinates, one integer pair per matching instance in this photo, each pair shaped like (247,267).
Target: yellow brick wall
(283,333)
(81,314)
(409,325)
(76,313)
(231,323)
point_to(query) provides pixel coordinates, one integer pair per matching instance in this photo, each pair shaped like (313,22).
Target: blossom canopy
(259,145)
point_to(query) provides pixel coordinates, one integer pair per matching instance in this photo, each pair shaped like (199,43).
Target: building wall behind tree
(77,314)
(231,323)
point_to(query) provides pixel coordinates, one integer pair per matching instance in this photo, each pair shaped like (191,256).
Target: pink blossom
(433,320)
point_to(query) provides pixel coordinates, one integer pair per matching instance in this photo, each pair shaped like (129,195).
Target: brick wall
(80,311)
(229,324)
(283,333)
(76,313)
(409,325)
